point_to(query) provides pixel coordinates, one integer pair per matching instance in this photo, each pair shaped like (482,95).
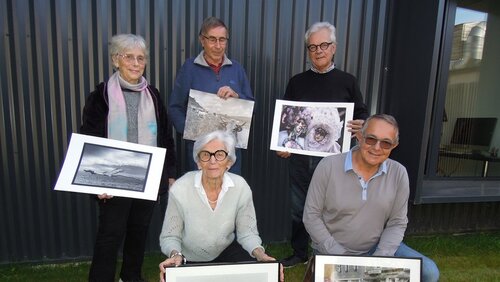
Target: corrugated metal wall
(54,52)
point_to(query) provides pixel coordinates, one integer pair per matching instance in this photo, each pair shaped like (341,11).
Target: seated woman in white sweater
(210,214)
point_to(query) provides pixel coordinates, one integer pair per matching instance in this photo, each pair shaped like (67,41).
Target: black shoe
(133,280)
(292,261)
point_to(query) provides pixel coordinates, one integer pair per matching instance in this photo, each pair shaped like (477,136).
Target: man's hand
(354,126)
(284,155)
(226,92)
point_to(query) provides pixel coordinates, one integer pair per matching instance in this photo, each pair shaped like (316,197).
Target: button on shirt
(364,184)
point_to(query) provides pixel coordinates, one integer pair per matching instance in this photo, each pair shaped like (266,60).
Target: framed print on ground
(335,268)
(206,112)
(315,129)
(241,272)
(95,165)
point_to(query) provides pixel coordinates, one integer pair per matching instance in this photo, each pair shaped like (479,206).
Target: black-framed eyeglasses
(213,39)
(130,59)
(219,155)
(384,144)
(322,46)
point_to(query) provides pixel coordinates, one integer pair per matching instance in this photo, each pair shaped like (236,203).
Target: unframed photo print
(207,112)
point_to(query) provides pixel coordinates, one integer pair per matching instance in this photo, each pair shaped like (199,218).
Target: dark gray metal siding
(53,53)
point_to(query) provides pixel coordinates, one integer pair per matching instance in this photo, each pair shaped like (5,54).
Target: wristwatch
(179,254)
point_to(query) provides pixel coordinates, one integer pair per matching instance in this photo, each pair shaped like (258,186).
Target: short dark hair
(212,22)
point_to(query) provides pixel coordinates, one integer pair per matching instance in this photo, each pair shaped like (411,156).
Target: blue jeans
(430,271)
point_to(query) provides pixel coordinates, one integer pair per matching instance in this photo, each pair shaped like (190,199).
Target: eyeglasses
(213,39)
(219,155)
(130,59)
(384,144)
(322,46)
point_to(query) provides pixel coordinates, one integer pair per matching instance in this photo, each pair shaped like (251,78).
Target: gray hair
(212,22)
(226,138)
(121,42)
(320,25)
(385,117)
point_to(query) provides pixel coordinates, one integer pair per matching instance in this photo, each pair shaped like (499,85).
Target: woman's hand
(174,260)
(104,197)
(260,255)
(226,92)
(171,182)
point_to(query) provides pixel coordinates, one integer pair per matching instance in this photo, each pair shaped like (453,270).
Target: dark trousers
(233,253)
(301,169)
(121,219)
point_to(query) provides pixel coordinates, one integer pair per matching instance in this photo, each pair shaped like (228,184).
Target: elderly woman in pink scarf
(127,108)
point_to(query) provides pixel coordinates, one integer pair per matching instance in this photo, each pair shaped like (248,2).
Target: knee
(430,271)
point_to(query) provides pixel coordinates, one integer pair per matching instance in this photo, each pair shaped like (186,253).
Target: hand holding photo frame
(331,268)
(95,165)
(311,128)
(241,272)
(207,112)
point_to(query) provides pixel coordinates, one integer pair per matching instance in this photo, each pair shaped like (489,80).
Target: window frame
(432,188)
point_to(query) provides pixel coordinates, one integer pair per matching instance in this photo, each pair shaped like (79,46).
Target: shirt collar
(200,60)
(226,181)
(330,68)
(348,162)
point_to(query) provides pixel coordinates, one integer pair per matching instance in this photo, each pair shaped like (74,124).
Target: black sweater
(334,86)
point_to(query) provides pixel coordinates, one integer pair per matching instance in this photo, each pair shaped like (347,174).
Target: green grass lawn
(466,257)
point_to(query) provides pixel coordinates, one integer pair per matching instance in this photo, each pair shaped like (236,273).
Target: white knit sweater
(200,233)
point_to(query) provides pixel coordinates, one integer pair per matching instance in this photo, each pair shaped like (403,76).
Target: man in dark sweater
(322,83)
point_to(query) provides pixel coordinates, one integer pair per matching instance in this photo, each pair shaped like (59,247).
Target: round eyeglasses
(384,144)
(322,46)
(219,155)
(130,59)
(213,39)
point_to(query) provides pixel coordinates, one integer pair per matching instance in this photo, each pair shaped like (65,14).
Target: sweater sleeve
(95,114)
(165,140)
(313,210)
(246,90)
(360,108)
(395,227)
(247,233)
(177,106)
(173,225)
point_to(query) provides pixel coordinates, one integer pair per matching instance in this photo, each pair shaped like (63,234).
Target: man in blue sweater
(212,72)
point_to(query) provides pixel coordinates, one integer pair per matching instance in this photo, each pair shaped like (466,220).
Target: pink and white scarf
(117,117)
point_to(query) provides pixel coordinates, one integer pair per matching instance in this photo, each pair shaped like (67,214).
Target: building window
(471,131)
(464,157)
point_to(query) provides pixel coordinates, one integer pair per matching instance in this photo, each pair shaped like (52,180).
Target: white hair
(320,25)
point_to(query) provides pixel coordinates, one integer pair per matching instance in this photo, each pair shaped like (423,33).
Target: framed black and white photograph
(337,268)
(241,272)
(311,128)
(207,112)
(95,165)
